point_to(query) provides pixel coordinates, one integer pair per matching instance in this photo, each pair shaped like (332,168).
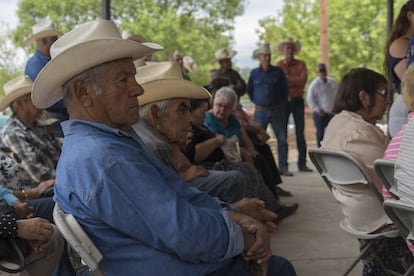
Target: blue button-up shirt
(267,87)
(139,213)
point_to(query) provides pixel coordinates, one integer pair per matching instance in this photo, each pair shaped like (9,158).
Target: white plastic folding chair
(341,168)
(78,239)
(401,212)
(385,171)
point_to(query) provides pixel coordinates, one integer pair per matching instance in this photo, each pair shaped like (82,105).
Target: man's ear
(153,115)
(364,98)
(80,90)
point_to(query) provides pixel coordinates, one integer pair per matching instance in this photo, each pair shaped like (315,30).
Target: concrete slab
(312,239)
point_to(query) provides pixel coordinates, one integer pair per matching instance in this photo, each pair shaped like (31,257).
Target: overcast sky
(245,26)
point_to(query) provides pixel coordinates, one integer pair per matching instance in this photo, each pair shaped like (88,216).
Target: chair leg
(360,256)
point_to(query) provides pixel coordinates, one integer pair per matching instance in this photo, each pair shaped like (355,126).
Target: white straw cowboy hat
(41,30)
(189,64)
(289,40)
(136,37)
(15,89)
(164,80)
(87,45)
(223,54)
(264,49)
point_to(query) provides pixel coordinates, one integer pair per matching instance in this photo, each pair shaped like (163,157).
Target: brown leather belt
(267,107)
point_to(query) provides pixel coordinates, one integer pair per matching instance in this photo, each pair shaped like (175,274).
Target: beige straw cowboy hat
(136,37)
(223,54)
(41,30)
(15,89)
(264,49)
(86,46)
(289,40)
(164,80)
(189,64)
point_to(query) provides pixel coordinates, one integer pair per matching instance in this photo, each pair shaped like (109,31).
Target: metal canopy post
(106,9)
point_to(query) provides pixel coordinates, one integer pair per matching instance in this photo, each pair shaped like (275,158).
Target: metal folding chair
(385,171)
(78,239)
(341,168)
(401,212)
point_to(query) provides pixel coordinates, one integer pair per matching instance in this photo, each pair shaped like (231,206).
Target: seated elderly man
(165,123)
(140,214)
(34,144)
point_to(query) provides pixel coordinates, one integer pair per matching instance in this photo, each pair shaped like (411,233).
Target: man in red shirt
(296,75)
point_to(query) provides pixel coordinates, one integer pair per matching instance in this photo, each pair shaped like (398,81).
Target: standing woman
(396,63)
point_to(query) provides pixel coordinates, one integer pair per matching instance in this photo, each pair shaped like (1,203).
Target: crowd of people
(160,170)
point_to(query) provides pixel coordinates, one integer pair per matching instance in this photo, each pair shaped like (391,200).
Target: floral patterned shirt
(37,148)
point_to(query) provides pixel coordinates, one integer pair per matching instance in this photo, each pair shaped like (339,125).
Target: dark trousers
(296,106)
(320,122)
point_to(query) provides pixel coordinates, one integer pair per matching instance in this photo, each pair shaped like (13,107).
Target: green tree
(357,32)
(195,28)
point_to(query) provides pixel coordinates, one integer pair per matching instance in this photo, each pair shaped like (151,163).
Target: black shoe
(305,168)
(285,173)
(281,192)
(285,211)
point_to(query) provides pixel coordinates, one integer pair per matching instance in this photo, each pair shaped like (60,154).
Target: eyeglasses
(384,92)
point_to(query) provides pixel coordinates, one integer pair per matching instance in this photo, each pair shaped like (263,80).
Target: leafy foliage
(357,32)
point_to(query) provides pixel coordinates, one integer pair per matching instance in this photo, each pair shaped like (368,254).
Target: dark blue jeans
(277,119)
(320,122)
(296,106)
(276,266)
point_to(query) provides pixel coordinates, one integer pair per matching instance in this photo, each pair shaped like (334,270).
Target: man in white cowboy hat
(321,97)
(223,57)
(189,64)
(142,216)
(268,90)
(44,34)
(127,34)
(38,150)
(165,121)
(297,76)
(177,57)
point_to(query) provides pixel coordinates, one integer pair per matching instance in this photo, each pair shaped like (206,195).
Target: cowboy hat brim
(47,88)
(11,97)
(230,56)
(171,88)
(42,34)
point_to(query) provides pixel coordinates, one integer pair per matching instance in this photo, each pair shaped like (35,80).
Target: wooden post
(324,36)
(390,16)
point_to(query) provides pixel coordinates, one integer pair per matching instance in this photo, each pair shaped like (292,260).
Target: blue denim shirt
(139,213)
(268,87)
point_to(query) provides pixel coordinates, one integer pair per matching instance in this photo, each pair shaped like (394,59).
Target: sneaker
(305,168)
(285,173)
(285,211)
(281,192)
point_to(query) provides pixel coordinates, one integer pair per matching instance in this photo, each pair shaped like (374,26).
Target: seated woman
(361,100)
(204,149)
(220,120)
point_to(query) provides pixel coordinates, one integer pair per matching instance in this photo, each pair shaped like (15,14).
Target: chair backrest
(401,212)
(77,239)
(339,167)
(385,171)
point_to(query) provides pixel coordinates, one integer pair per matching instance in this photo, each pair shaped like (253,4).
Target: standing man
(223,57)
(321,97)
(44,35)
(296,75)
(268,90)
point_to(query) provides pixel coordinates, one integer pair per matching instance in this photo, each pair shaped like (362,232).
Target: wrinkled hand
(260,251)
(201,171)
(39,247)
(255,208)
(258,269)
(22,209)
(262,136)
(43,186)
(37,229)
(246,155)
(220,138)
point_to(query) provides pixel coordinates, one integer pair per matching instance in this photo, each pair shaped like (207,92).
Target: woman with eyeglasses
(361,100)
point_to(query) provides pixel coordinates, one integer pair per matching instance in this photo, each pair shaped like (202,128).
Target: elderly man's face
(288,50)
(175,121)
(225,63)
(26,109)
(117,105)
